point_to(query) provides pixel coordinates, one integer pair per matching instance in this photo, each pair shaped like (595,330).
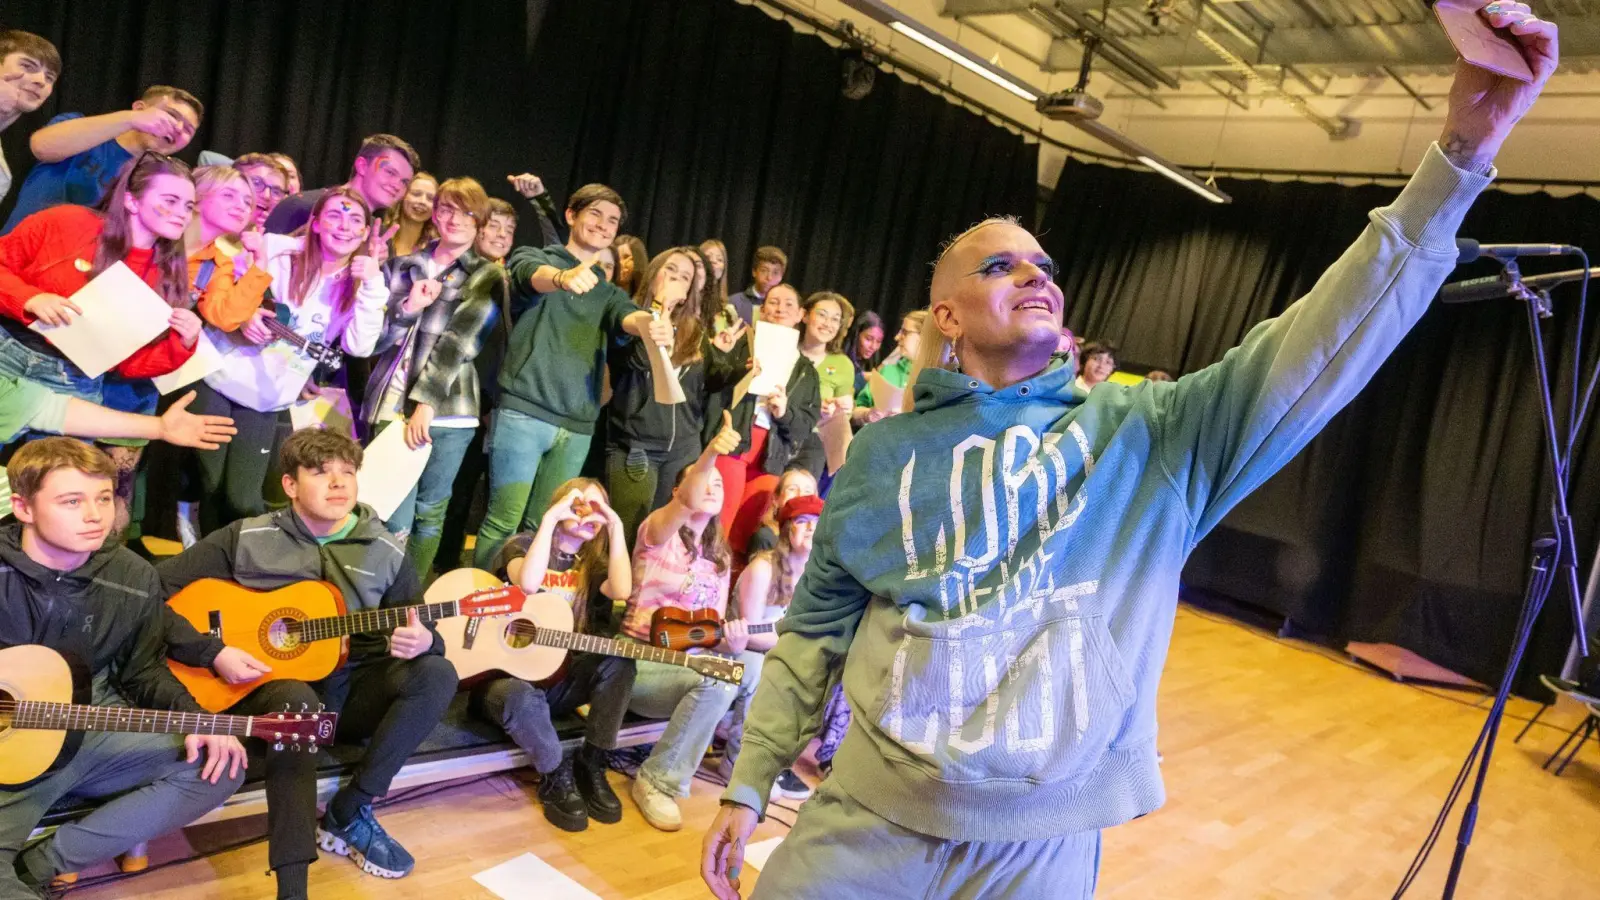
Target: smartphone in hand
(1480,44)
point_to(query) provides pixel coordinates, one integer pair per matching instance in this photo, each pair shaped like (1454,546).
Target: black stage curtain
(1409,519)
(711,118)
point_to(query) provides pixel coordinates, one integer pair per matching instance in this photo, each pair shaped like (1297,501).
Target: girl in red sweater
(56,251)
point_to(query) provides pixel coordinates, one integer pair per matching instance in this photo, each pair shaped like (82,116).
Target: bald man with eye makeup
(995,575)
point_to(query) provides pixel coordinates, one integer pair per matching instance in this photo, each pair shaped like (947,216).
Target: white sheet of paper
(527,877)
(120,314)
(329,409)
(390,469)
(778,348)
(757,854)
(836,435)
(206,359)
(668,390)
(885,396)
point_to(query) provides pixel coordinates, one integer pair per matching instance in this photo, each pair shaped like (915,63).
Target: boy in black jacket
(395,687)
(60,586)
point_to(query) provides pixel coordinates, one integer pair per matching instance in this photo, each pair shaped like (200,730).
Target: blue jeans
(18,360)
(694,704)
(421,514)
(528,459)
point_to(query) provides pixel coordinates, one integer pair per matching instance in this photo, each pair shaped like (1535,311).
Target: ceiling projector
(1073,104)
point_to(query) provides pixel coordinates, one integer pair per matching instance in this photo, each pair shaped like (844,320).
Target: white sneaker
(659,809)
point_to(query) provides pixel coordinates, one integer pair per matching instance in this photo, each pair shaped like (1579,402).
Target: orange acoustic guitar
(682,629)
(302,630)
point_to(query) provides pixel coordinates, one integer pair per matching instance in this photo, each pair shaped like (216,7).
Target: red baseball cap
(810,505)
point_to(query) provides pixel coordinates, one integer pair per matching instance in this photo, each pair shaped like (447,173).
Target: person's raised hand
(527,184)
(157,122)
(580,279)
(422,295)
(727,439)
(1485,106)
(410,640)
(728,339)
(778,401)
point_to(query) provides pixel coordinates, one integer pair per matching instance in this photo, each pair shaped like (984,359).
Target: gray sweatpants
(841,850)
(155,791)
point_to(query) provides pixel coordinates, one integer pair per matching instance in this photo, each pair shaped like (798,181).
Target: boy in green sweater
(566,318)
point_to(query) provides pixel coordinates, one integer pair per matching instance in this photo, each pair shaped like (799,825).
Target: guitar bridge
(470,635)
(214,619)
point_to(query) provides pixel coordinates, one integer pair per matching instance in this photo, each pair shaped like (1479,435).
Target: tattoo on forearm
(1464,155)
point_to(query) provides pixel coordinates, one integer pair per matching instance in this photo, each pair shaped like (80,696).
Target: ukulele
(681,629)
(301,630)
(44,712)
(315,352)
(532,644)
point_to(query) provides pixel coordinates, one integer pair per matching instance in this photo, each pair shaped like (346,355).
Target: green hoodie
(1002,614)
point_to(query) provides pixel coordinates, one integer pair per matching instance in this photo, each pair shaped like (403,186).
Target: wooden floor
(1291,773)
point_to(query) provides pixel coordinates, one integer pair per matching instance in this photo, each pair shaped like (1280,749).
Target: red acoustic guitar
(302,630)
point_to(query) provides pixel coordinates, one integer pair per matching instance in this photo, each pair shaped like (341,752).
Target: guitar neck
(284,333)
(71,717)
(763,628)
(371,620)
(588,643)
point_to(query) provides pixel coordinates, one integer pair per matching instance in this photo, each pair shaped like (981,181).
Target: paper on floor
(528,877)
(756,855)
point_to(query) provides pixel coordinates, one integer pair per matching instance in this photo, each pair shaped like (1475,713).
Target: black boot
(591,771)
(563,805)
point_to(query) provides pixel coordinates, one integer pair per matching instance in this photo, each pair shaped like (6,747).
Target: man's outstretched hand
(1484,106)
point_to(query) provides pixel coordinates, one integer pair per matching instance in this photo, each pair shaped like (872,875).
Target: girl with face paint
(330,292)
(224,274)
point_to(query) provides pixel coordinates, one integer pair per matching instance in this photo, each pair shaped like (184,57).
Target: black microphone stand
(1562,551)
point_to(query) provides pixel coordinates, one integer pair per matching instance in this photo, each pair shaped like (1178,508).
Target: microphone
(1495,287)
(1468,250)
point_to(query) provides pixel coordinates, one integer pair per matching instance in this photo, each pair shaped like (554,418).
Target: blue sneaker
(367,845)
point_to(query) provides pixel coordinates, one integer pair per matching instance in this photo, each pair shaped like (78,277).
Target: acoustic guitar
(532,643)
(44,711)
(301,630)
(681,629)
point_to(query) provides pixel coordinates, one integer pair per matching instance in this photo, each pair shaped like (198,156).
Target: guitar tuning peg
(295,747)
(321,707)
(278,746)
(305,707)
(312,748)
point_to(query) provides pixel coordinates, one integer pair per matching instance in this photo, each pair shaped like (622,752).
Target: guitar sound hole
(698,634)
(518,634)
(8,703)
(280,636)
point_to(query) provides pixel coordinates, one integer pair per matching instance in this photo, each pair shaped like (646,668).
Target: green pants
(841,850)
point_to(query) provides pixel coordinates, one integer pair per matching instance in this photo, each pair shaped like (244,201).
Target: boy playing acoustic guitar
(61,586)
(393,690)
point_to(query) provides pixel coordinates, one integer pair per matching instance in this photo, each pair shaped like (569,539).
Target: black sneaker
(598,796)
(563,805)
(790,787)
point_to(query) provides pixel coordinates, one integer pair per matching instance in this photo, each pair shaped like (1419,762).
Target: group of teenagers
(526,368)
(992,584)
